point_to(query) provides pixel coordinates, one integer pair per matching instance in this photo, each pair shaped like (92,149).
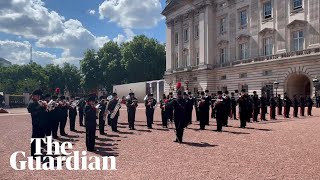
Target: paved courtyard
(280,149)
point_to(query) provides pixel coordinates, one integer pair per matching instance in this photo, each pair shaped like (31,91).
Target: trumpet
(52,105)
(217,101)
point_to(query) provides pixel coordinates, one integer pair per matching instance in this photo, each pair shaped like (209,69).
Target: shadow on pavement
(202,144)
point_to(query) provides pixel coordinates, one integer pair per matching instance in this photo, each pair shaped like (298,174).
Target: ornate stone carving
(223,43)
(266,31)
(243,37)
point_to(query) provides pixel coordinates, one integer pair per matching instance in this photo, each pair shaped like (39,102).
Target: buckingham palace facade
(243,44)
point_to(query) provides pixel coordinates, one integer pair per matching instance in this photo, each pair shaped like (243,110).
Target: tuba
(116,109)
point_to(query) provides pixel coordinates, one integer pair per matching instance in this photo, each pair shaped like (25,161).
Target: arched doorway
(298,84)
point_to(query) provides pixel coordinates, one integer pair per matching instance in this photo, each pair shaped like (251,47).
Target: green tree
(55,78)
(110,65)
(144,59)
(90,70)
(72,78)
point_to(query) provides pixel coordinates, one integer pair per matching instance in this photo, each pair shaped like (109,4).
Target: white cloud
(32,20)
(19,53)
(74,40)
(92,11)
(129,34)
(132,13)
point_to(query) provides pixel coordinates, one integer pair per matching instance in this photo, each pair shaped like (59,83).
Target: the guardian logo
(55,160)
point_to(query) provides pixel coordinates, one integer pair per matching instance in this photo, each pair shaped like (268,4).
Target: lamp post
(315,83)
(276,86)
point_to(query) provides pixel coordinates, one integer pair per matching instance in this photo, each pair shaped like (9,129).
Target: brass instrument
(52,105)
(98,110)
(217,101)
(116,109)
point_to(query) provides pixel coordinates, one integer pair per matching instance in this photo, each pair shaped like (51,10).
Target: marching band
(50,113)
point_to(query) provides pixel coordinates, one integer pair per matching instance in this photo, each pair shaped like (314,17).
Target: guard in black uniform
(279,104)
(256,106)
(47,117)
(179,115)
(202,106)
(263,104)
(295,106)
(302,105)
(196,107)
(37,112)
(170,109)
(189,107)
(309,104)
(81,105)
(227,108)
(132,104)
(111,108)
(207,107)
(150,104)
(63,116)
(72,114)
(54,118)
(234,106)
(163,107)
(91,123)
(287,105)
(243,109)
(102,122)
(213,100)
(220,108)
(273,105)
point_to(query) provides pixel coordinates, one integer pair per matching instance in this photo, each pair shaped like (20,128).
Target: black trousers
(213,113)
(287,112)
(318,104)
(226,117)
(263,113)
(149,115)
(90,136)
(48,126)
(279,110)
(63,122)
(81,118)
(309,110)
(255,114)
(131,118)
(72,121)
(202,119)
(243,119)
(179,133)
(302,110)
(234,112)
(37,132)
(295,111)
(113,123)
(220,122)
(197,114)
(206,115)
(101,124)
(164,119)
(189,116)
(272,112)
(55,126)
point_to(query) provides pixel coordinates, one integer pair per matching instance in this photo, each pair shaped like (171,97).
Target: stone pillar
(191,41)
(6,100)
(169,44)
(158,92)
(202,37)
(26,98)
(180,44)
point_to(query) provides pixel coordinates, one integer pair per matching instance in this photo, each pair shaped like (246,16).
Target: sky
(62,30)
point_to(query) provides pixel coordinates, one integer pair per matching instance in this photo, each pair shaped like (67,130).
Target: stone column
(6,100)
(202,37)
(191,40)
(169,44)
(26,98)
(158,92)
(181,40)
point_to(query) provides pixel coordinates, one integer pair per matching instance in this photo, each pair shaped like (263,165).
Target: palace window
(176,61)
(267,10)
(186,35)
(196,31)
(224,77)
(223,55)
(267,46)
(243,51)
(186,58)
(197,58)
(243,75)
(297,4)
(298,40)
(176,37)
(267,73)
(243,18)
(223,23)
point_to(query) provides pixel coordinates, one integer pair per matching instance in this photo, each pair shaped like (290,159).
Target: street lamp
(315,83)
(276,86)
